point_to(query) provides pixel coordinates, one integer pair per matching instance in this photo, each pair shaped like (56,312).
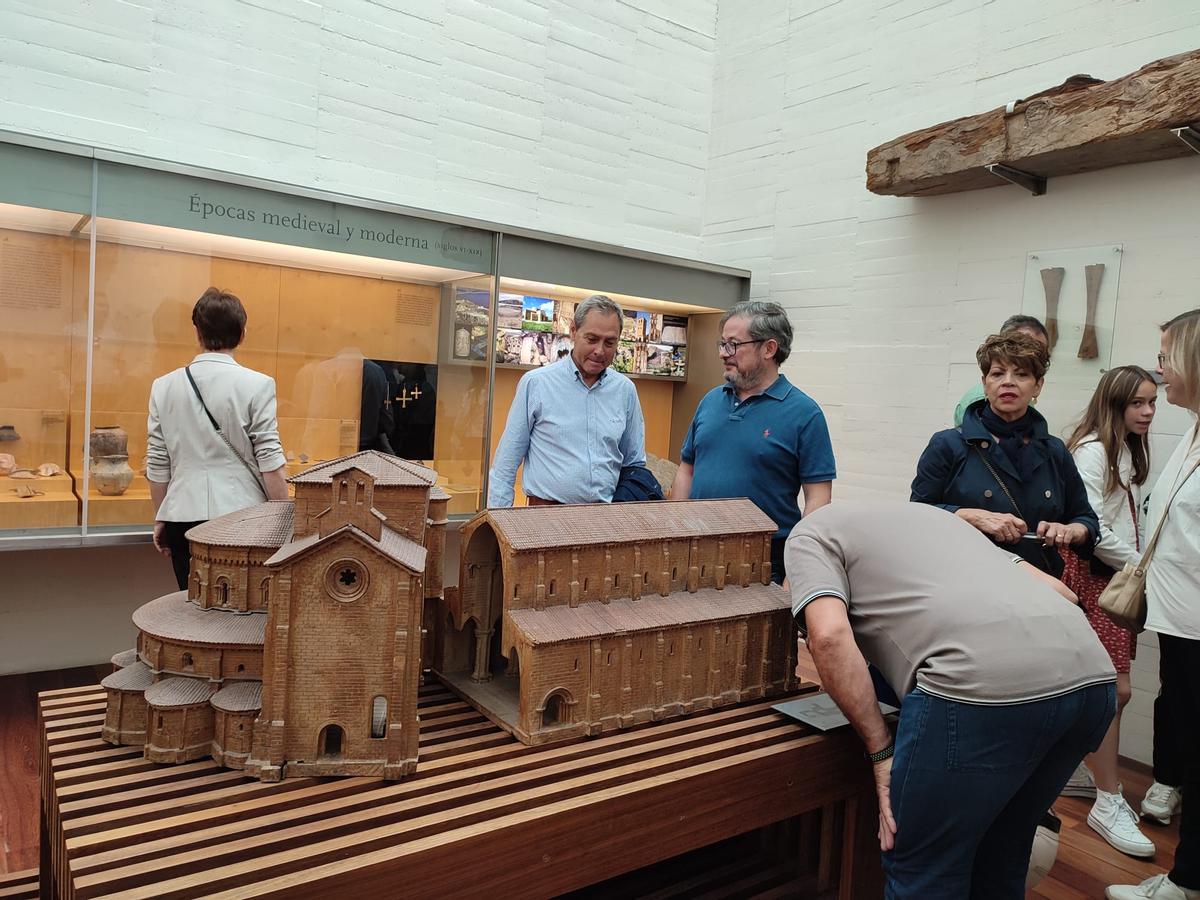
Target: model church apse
(578,620)
(296,649)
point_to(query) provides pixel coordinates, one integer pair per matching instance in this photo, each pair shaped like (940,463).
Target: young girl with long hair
(1111,451)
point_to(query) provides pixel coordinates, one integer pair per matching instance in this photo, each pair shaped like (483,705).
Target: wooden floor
(19,756)
(1086,864)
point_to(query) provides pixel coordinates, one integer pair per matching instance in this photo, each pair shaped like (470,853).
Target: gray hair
(1032,323)
(598,302)
(768,322)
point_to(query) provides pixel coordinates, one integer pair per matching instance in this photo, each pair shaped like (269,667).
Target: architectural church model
(298,647)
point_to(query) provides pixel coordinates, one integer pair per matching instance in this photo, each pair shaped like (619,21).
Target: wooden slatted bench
(484,815)
(19,885)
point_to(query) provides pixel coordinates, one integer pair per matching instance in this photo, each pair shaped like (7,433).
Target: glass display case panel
(45,207)
(324,323)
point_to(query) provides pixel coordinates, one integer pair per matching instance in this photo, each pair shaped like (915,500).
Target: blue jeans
(971,782)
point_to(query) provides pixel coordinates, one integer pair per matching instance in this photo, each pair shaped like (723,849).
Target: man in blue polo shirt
(758,436)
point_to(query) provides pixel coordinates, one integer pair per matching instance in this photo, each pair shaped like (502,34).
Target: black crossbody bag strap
(1007,493)
(253,470)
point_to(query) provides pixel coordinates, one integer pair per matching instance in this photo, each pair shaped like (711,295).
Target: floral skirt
(1120,643)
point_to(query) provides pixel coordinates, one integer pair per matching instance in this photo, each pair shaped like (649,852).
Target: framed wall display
(1074,292)
(534,330)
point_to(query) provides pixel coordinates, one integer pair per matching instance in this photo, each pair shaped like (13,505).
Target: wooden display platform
(55,507)
(19,885)
(483,816)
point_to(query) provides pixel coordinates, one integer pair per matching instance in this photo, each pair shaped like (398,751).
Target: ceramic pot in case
(109,440)
(111,474)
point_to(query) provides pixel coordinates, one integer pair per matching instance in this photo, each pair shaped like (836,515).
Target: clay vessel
(8,462)
(111,474)
(109,440)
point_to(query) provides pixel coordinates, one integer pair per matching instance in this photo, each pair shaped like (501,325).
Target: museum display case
(383,328)
(45,222)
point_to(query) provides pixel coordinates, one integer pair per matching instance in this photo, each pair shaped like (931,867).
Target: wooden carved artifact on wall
(1081,125)
(1052,280)
(1089,347)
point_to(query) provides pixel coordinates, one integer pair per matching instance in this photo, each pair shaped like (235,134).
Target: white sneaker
(1081,784)
(1162,801)
(1115,821)
(1160,887)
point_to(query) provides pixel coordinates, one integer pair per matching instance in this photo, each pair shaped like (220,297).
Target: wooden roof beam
(1080,126)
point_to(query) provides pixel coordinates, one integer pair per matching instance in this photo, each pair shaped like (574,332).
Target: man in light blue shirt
(575,423)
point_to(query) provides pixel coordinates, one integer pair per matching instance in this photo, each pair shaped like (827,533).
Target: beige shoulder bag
(1124,600)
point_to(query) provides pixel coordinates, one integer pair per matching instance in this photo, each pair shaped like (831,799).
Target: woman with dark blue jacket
(1003,472)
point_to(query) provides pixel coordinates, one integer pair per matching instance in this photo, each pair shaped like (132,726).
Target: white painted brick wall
(584,118)
(891,296)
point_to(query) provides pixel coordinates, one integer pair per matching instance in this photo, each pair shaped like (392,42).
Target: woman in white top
(1173,599)
(194,474)
(1111,451)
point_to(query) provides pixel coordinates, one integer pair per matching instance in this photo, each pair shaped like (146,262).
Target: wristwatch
(880,755)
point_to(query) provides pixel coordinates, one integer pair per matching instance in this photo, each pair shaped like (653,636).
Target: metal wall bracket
(1189,135)
(1035,184)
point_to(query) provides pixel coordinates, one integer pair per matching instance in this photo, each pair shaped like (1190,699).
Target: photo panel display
(674,330)
(537,314)
(536,348)
(508,312)
(535,331)
(471,323)
(564,316)
(508,346)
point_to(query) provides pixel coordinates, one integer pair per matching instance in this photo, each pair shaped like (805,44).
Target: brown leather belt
(531,500)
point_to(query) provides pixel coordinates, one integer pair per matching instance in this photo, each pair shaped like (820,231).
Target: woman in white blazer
(1112,454)
(1173,612)
(196,472)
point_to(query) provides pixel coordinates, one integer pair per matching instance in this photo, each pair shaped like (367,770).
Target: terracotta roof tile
(391,544)
(386,470)
(125,658)
(134,677)
(178,691)
(589,620)
(238,696)
(265,525)
(174,618)
(534,527)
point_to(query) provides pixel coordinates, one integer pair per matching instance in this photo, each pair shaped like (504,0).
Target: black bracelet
(881,755)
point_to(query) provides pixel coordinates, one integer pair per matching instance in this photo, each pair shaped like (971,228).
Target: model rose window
(346,580)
